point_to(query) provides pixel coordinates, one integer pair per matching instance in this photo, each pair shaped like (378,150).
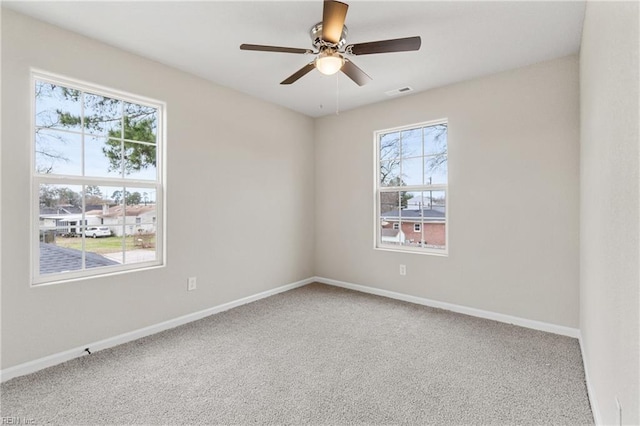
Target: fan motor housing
(320,44)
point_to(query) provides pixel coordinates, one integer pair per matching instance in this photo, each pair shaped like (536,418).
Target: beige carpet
(317,355)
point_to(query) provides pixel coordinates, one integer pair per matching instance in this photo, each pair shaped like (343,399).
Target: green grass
(106,244)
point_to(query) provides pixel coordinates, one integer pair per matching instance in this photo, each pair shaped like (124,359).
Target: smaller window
(411,187)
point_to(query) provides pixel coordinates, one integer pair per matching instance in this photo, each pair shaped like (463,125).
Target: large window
(411,188)
(97,180)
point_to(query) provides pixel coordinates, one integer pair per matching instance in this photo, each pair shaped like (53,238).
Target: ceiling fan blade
(333,16)
(385,46)
(298,74)
(262,48)
(354,73)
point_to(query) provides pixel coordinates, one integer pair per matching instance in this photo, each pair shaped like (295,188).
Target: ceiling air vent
(399,91)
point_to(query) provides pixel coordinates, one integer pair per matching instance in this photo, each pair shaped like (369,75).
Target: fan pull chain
(337,94)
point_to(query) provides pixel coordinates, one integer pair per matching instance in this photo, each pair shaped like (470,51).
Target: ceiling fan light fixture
(329,38)
(329,63)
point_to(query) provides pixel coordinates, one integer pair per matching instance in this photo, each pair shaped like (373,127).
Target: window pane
(140,123)
(60,200)
(412,143)
(112,212)
(435,170)
(435,140)
(58,152)
(412,171)
(104,233)
(390,173)
(103,157)
(102,249)
(390,146)
(140,161)
(144,198)
(389,202)
(96,199)
(434,218)
(103,116)
(390,219)
(412,204)
(411,215)
(141,218)
(142,247)
(57,107)
(139,200)
(57,252)
(435,200)
(60,221)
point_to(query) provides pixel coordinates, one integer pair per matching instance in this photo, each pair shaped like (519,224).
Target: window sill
(424,251)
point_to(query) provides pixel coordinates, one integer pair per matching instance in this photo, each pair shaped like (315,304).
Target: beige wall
(609,208)
(231,159)
(513,195)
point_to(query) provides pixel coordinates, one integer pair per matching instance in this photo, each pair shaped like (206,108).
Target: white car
(95,232)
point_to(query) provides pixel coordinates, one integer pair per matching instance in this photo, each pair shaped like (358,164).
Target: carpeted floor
(318,355)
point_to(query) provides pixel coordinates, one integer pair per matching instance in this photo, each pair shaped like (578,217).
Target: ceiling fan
(329,38)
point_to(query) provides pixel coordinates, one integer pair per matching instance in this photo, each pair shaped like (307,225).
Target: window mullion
(124,189)
(82,229)
(400,232)
(422,151)
(84,187)
(124,224)
(122,153)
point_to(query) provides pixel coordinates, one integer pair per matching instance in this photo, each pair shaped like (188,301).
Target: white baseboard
(522,322)
(592,397)
(60,357)
(51,360)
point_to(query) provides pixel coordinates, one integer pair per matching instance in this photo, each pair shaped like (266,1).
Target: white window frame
(37,179)
(377,243)
(416,227)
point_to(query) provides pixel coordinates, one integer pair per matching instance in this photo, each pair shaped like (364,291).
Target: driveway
(133,256)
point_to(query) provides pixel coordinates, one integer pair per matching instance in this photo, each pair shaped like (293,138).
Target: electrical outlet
(192,284)
(403,269)
(618,412)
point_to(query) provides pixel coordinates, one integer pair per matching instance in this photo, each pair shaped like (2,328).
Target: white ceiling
(460,41)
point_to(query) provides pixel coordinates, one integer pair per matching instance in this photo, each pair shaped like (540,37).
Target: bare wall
(239,195)
(610,209)
(513,195)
